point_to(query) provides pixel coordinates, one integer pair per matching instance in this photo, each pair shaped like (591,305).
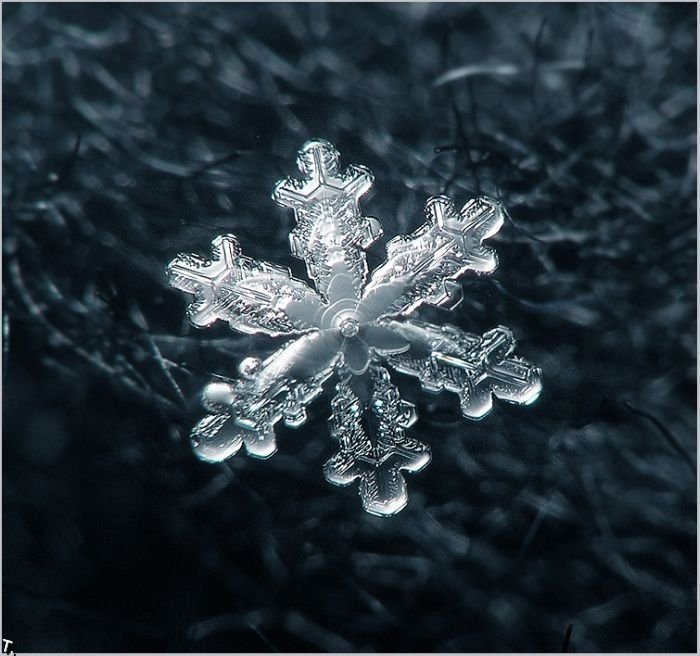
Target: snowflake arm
(245,411)
(421,267)
(475,368)
(331,234)
(376,456)
(251,296)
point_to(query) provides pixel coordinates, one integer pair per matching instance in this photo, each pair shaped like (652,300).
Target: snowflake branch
(420,267)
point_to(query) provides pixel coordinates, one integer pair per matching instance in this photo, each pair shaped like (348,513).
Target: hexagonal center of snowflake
(349,327)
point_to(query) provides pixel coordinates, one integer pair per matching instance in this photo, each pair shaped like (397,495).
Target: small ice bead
(249,367)
(218,396)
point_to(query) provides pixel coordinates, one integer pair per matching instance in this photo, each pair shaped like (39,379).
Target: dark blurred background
(132,132)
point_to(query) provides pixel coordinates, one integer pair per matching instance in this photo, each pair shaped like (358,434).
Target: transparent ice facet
(476,368)
(373,446)
(420,267)
(245,411)
(350,328)
(252,296)
(331,234)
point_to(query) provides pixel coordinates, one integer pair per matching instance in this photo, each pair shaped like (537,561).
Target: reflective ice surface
(351,327)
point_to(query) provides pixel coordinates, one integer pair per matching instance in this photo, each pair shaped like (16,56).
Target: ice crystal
(350,327)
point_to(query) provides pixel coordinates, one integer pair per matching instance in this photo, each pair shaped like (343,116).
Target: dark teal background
(133,132)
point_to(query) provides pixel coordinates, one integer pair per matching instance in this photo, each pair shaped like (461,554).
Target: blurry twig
(567,638)
(670,437)
(473,70)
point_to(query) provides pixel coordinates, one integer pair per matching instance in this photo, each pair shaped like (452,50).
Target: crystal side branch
(350,328)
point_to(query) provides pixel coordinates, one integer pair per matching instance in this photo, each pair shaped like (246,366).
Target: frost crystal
(351,328)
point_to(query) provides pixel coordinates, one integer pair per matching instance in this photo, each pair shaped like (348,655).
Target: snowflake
(352,328)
